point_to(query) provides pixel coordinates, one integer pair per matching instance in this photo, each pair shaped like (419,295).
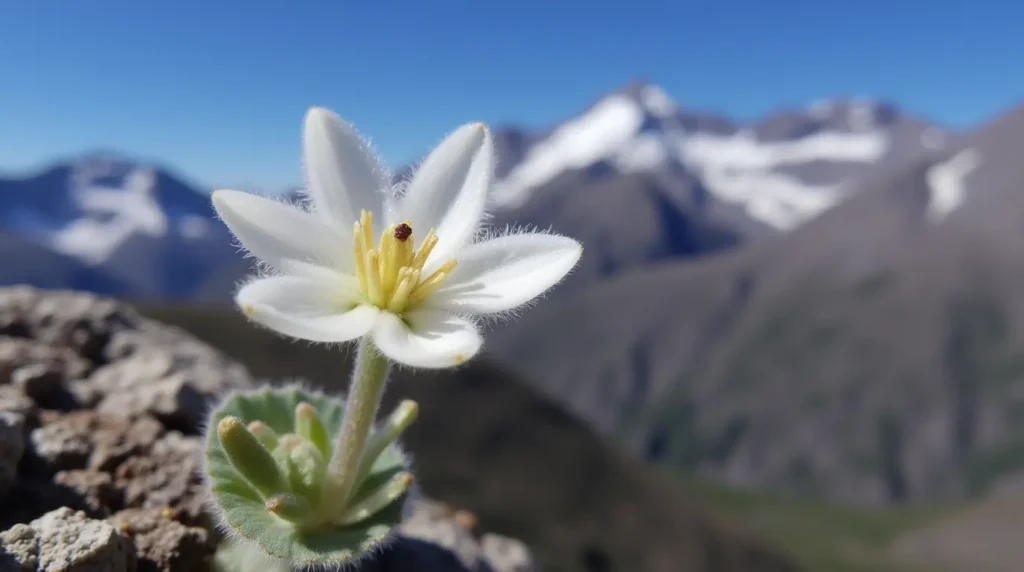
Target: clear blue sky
(217,89)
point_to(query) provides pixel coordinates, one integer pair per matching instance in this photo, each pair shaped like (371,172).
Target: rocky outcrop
(100,449)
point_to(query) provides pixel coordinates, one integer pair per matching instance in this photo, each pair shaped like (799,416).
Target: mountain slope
(25,262)
(869,355)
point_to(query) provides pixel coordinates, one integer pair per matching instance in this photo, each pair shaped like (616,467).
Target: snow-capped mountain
(139,225)
(781,170)
(636,177)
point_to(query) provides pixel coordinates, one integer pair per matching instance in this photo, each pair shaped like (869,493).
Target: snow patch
(745,152)
(111,214)
(591,137)
(946,183)
(739,170)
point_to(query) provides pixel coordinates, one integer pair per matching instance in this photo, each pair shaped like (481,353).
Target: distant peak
(652,98)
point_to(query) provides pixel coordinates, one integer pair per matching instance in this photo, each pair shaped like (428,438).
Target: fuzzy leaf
(244,511)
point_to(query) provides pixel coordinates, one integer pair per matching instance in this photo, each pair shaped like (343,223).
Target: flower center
(390,275)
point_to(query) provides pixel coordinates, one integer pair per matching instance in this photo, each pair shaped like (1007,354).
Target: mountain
(779,170)
(635,177)
(870,355)
(147,231)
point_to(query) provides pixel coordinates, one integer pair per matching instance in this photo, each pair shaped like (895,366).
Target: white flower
(338,278)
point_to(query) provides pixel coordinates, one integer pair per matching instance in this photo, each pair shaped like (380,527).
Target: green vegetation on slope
(821,536)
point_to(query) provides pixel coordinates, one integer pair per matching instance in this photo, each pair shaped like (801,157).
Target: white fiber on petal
(448,191)
(505,272)
(343,174)
(276,232)
(327,309)
(432,339)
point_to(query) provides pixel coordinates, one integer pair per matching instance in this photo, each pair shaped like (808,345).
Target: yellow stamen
(431,283)
(389,275)
(359,248)
(429,242)
(389,265)
(366,221)
(373,286)
(406,284)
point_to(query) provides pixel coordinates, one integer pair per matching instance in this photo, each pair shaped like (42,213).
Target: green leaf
(244,510)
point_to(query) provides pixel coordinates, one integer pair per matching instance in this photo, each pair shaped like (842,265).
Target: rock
(77,320)
(12,446)
(13,400)
(97,493)
(18,549)
(172,399)
(16,353)
(168,477)
(163,544)
(82,439)
(103,408)
(45,384)
(507,554)
(64,444)
(67,541)
(442,527)
(432,522)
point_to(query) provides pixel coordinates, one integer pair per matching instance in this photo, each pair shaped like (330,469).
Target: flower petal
(276,232)
(343,174)
(499,274)
(322,309)
(449,190)
(432,339)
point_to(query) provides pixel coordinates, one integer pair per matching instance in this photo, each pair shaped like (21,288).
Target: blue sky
(217,89)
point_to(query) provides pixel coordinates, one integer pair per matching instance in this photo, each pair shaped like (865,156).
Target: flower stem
(365,392)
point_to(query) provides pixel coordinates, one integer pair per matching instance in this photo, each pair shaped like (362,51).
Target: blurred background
(795,340)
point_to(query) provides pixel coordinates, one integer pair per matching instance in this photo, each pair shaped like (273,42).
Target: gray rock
(19,549)
(62,445)
(81,439)
(45,384)
(430,521)
(129,450)
(172,399)
(67,541)
(440,527)
(16,353)
(12,446)
(96,491)
(507,554)
(167,477)
(163,544)
(13,400)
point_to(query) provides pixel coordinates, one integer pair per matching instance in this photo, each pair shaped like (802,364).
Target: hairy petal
(505,272)
(429,339)
(278,233)
(448,191)
(326,308)
(343,175)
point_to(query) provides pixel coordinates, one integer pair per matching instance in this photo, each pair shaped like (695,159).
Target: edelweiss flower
(354,264)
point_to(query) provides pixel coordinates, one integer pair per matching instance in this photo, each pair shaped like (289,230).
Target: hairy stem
(365,392)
